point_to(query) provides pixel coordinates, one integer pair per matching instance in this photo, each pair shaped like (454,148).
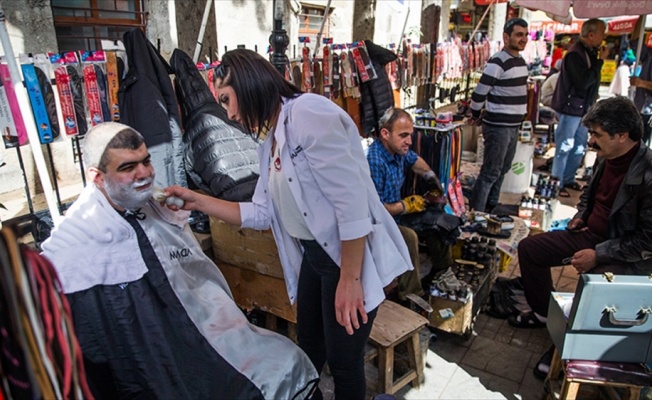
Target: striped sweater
(502,90)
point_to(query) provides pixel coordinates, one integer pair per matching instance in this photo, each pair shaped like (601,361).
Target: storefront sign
(621,26)
(574,27)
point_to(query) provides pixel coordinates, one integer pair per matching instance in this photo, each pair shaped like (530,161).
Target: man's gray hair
(593,25)
(108,135)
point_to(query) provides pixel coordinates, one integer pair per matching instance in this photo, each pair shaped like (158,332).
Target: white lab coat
(328,175)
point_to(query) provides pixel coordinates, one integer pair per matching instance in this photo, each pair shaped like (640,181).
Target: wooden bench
(393,325)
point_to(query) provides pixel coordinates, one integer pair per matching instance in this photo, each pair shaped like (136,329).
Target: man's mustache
(594,147)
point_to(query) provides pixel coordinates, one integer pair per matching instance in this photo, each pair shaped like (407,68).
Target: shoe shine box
(609,319)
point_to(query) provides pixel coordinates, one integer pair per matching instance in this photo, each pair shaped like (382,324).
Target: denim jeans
(319,334)
(499,149)
(571,138)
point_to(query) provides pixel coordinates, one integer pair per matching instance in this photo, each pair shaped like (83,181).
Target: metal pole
(639,47)
(202,30)
(481,19)
(30,206)
(279,39)
(400,39)
(32,135)
(321,28)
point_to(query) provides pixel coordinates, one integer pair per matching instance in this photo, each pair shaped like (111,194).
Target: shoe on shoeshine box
(609,319)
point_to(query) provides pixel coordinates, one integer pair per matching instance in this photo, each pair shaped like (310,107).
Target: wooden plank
(252,290)
(245,248)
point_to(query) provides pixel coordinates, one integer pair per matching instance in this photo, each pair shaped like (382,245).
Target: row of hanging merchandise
(40,357)
(439,143)
(68,92)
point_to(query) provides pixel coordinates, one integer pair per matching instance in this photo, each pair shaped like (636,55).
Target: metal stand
(54,181)
(279,39)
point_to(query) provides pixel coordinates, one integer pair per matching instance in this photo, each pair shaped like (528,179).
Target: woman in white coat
(337,243)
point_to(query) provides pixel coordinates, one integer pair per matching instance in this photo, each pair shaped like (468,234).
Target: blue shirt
(388,171)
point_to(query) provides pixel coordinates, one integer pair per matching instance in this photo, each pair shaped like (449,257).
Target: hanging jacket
(148,104)
(219,157)
(376,94)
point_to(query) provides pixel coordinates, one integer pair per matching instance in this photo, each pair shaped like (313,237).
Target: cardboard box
(609,320)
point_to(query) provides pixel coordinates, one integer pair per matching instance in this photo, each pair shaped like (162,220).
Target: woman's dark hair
(616,115)
(258,86)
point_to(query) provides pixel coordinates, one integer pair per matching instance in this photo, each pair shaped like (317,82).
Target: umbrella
(589,8)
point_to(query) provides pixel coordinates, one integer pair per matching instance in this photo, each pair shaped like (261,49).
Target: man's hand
(433,183)
(414,204)
(576,225)
(471,121)
(584,260)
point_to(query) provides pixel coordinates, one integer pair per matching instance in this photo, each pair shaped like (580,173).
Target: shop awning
(621,25)
(589,8)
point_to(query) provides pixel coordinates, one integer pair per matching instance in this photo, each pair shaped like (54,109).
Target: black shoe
(542,367)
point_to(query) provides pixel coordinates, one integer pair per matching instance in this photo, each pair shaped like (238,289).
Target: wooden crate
(249,261)
(459,323)
(246,248)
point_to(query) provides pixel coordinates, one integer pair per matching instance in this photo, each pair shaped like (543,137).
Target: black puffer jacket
(219,157)
(376,94)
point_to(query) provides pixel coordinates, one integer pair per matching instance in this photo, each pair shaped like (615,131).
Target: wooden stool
(610,375)
(393,325)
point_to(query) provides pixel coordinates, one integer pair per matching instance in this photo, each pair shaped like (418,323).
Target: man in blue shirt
(389,155)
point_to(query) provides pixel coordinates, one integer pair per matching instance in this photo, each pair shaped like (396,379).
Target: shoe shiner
(153,314)
(611,230)
(389,156)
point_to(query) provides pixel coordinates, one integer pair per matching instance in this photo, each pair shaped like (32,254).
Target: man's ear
(96,176)
(384,133)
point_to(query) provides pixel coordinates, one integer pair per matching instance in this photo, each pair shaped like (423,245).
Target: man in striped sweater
(502,92)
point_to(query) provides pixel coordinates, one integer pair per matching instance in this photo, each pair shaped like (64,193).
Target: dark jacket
(148,104)
(629,228)
(219,157)
(579,81)
(376,94)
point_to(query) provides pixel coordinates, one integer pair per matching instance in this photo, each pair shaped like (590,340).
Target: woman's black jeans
(319,334)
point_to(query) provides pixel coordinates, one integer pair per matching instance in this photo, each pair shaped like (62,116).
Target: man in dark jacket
(612,230)
(576,91)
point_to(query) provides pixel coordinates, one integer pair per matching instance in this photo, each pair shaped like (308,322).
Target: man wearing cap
(502,93)
(154,316)
(389,155)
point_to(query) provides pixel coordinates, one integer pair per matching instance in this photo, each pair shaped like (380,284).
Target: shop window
(82,24)
(310,20)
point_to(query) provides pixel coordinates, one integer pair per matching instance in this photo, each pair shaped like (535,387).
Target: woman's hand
(349,302)
(349,298)
(189,197)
